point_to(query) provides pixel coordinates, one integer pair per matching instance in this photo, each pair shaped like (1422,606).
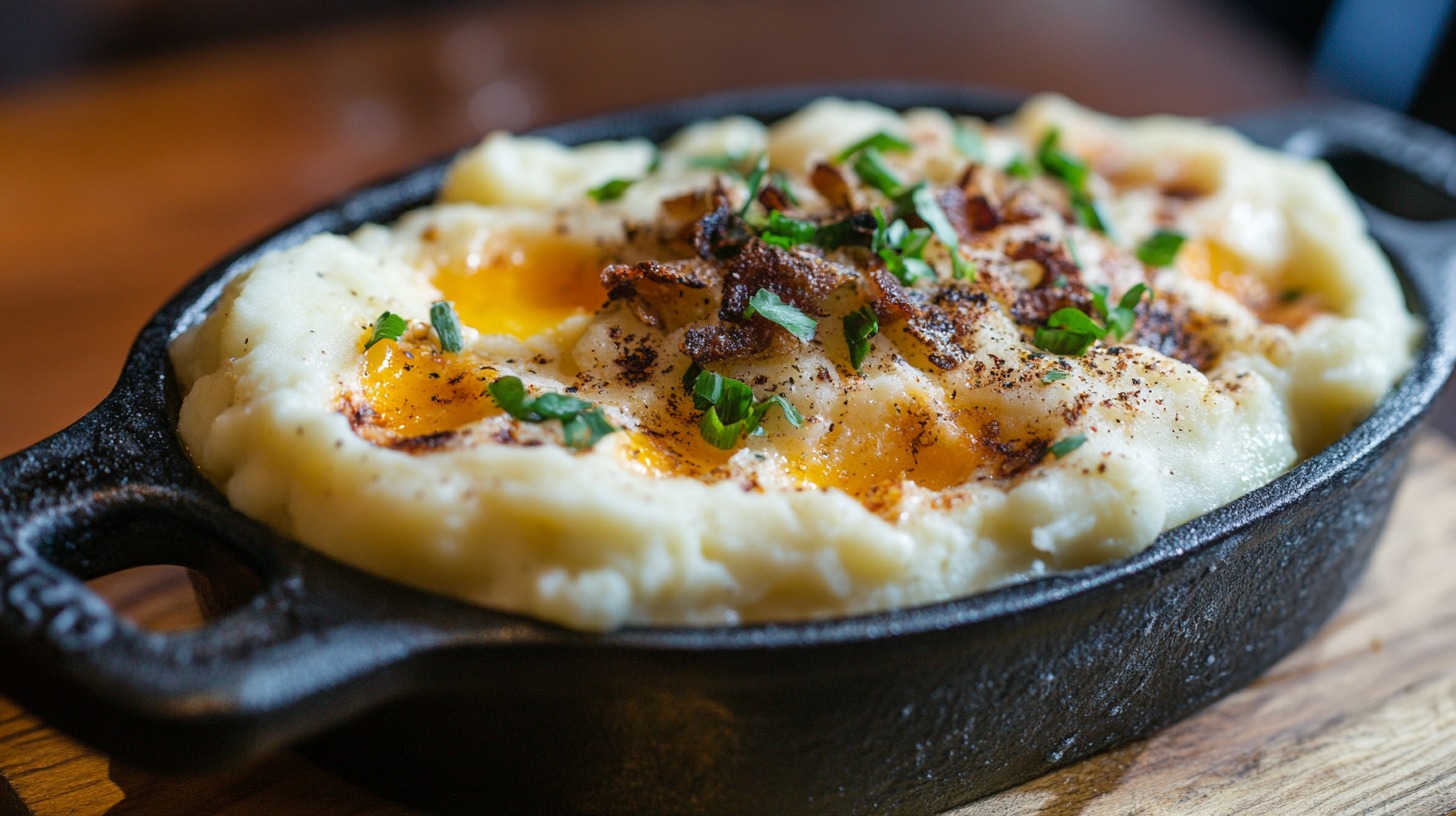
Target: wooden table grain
(117,187)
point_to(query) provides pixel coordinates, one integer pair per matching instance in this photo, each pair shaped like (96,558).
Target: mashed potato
(852,361)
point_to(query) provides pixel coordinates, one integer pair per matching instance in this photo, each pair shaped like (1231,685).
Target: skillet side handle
(113,491)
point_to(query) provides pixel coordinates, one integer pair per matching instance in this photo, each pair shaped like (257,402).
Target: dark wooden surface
(116,188)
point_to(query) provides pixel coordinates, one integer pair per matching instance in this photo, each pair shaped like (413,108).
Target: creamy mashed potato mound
(973,446)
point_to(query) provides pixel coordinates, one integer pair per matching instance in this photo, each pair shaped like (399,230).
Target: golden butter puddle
(412,390)
(524,287)
(1226,270)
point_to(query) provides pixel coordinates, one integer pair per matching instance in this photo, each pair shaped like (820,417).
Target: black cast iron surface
(462,709)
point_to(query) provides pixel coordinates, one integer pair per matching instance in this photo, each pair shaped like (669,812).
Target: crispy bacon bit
(721,233)
(773,198)
(957,210)
(1033,306)
(798,279)
(926,322)
(832,185)
(644,284)
(1172,329)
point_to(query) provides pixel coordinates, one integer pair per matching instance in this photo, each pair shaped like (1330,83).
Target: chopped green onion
(786,232)
(859,327)
(871,168)
(447,327)
(1021,168)
(1061,164)
(389,326)
(1160,248)
(1062,447)
(1054,375)
(610,190)
(582,424)
(755,181)
(773,308)
(961,267)
(880,141)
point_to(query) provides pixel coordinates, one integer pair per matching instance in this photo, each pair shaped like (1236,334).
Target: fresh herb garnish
(870,166)
(783,231)
(1021,168)
(881,141)
(611,189)
(447,327)
(1062,447)
(1054,375)
(921,199)
(901,248)
(773,308)
(968,142)
(389,326)
(1070,331)
(730,411)
(859,327)
(1120,317)
(1160,248)
(1090,213)
(755,181)
(582,425)
(1061,164)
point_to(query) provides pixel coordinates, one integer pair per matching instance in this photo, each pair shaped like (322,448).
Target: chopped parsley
(582,424)
(447,327)
(389,326)
(611,189)
(859,327)
(1054,375)
(881,141)
(1062,447)
(773,308)
(1070,331)
(1120,317)
(902,249)
(1160,248)
(730,411)
(922,199)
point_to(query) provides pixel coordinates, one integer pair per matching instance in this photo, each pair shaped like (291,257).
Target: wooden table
(115,188)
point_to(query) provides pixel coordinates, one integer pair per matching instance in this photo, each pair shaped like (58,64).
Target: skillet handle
(1403,173)
(291,655)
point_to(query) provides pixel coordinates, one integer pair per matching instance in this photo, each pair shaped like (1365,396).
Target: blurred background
(142,139)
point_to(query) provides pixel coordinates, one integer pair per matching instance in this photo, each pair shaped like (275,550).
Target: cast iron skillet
(462,709)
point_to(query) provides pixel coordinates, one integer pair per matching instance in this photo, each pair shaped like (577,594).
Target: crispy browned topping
(833,186)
